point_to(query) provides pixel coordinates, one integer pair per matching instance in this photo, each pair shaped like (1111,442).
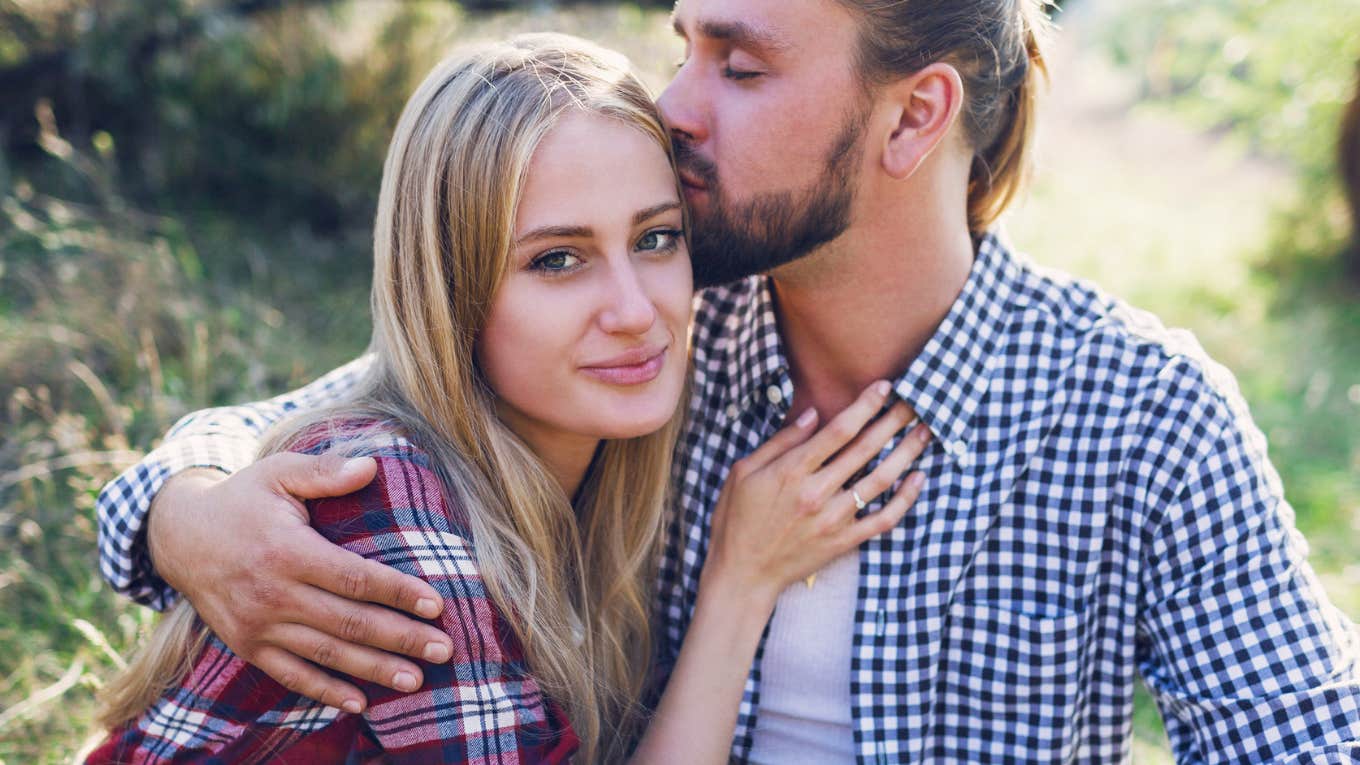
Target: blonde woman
(531,301)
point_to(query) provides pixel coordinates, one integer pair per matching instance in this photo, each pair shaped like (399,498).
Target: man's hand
(279,594)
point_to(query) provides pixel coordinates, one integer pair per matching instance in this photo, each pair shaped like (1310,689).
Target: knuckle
(827,526)
(328,696)
(290,679)
(408,643)
(843,430)
(809,500)
(274,554)
(248,652)
(355,626)
(325,653)
(353,582)
(878,482)
(248,631)
(267,597)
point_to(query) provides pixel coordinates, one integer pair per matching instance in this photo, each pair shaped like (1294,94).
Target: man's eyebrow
(642,216)
(735,32)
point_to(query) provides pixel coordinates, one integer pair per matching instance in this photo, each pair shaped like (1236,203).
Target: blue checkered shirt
(1098,505)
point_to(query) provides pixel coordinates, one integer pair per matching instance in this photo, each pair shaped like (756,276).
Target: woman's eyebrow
(585,232)
(651,212)
(556,232)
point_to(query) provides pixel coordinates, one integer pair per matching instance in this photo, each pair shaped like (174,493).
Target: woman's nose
(628,307)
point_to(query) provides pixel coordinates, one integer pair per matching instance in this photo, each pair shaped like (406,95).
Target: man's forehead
(772,23)
(734,31)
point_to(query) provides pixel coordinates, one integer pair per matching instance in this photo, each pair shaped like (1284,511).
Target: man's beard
(734,240)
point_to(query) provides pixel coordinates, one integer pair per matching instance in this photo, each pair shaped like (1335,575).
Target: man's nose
(628,307)
(682,106)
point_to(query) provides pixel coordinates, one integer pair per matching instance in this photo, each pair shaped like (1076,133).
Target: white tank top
(804,712)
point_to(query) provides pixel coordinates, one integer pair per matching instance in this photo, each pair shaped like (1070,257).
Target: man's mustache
(688,160)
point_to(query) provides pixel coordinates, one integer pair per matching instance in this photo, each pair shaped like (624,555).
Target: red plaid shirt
(482,706)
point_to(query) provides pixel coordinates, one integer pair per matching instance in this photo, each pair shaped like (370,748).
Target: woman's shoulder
(405,495)
(357,437)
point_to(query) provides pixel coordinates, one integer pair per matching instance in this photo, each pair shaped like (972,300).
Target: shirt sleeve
(482,705)
(226,439)
(1238,643)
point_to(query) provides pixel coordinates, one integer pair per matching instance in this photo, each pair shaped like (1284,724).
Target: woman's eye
(659,240)
(556,262)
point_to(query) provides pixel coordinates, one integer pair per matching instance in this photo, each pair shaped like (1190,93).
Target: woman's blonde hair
(573,577)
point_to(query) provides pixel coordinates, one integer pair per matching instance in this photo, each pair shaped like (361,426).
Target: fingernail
(354,465)
(883,387)
(352,706)
(923,433)
(436,653)
(427,608)
(916,480)
(404,681)
(807,418)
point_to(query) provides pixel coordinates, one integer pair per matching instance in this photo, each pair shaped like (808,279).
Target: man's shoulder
(1102,346)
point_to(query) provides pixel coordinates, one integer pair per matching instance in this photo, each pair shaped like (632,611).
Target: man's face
(768,118)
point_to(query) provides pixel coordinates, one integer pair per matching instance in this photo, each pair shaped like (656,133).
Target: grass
(113,322)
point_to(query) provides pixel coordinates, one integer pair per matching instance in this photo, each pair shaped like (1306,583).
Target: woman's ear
(926,105)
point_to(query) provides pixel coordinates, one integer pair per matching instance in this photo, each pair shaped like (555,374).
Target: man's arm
(1247,659)
(221,441)
(234,538)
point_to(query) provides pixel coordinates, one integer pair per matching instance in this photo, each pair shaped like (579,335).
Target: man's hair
(997,47)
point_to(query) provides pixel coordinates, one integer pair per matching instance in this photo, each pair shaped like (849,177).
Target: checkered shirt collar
(946,382)
(758,352)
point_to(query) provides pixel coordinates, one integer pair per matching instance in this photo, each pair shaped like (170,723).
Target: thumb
(306,476)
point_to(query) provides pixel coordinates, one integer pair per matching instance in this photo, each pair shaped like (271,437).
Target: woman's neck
(566,455)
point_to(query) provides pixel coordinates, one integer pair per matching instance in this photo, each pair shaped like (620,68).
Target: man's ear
(925,105)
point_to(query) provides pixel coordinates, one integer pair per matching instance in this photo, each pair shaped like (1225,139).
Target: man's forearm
(179,494)
(224,439)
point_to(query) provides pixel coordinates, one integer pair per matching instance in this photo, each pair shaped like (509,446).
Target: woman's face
(587,334)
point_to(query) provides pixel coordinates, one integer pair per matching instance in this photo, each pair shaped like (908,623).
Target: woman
(530,299)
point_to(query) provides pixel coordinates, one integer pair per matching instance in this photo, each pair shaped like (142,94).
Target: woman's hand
(785,511)
(783,514)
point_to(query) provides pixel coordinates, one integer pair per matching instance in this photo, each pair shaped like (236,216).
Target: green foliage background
(186,189)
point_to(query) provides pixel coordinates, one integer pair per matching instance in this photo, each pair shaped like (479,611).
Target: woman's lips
(629,369)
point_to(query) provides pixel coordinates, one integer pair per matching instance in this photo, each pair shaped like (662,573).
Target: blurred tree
(237,106)
(1349,146)
(1275,75)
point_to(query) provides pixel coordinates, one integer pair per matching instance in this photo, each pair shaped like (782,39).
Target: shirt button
(732,411)
(774,394)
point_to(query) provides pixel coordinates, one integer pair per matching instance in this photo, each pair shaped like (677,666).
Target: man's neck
(864,307)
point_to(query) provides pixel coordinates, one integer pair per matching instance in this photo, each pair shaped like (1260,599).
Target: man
(1097,502)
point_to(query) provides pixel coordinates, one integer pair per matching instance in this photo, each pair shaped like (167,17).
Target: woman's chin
(635,426)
